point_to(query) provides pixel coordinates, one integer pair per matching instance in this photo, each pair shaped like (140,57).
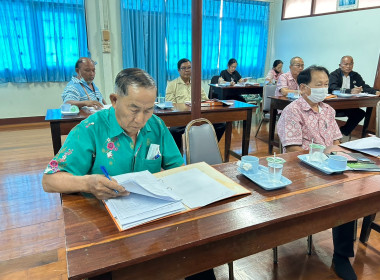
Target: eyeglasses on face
(185,68)
(298,65)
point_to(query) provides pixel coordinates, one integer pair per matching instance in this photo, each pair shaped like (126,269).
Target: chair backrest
(268,90)
(214,80)
(201,143)
(378,119)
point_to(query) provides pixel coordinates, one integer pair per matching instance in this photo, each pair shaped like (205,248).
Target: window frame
(312,11)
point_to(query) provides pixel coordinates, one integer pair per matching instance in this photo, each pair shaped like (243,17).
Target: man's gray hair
(346,56)
(82,60)
(132,77)
(294,58)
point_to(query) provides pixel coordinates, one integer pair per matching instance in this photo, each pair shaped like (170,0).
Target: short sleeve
(76,154)
(170,92)
(269,75)
(70,93)
(289,127)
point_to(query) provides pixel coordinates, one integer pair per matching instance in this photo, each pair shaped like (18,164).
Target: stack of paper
(149,199)
(176,190)
(369,145)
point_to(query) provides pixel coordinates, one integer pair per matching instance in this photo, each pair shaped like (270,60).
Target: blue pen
(104,170)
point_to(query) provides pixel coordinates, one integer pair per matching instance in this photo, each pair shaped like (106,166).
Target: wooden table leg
(55,129)
(366,228)
(367,118)
(246,133)
(227,142)
(272,124)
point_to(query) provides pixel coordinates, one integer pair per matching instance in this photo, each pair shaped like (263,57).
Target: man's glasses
(299,65)
(185,68)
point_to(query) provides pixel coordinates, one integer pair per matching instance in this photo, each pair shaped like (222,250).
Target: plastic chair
(268,90)
(368,221)
(201,144)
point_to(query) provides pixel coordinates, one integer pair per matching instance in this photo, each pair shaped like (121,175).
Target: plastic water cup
(250,164)
(65,107)
(275,166)
(168,103)
(161,99)
(315,151)
(337,162)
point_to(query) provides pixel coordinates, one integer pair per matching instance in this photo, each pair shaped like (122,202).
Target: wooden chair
(368,221)
(201,144)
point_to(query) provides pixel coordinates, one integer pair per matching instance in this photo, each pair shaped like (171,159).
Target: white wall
(323,40)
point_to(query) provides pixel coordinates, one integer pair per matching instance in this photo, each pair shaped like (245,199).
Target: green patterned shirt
(99,140)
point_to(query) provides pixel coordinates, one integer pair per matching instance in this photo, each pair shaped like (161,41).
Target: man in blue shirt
(81,90)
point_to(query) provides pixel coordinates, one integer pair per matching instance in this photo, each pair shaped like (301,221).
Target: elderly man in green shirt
(179,91)
(118,139)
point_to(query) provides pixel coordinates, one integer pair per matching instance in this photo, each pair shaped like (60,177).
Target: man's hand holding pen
(104,188)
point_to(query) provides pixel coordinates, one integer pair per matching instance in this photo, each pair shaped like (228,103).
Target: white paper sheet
(368,145)
(196,188)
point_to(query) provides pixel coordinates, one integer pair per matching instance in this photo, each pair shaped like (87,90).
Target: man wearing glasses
(348,81)
(179,91)
(287,82)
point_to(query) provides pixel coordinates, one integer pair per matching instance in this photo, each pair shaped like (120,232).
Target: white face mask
(317,94)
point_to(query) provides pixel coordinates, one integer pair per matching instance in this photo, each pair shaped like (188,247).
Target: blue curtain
(179,36)
(143,38)
(157,33)
(40,40)
(244,36)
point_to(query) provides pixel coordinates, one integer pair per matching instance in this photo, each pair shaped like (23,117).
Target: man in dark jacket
(351,82)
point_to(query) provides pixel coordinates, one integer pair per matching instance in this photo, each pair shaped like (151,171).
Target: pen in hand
(107,175)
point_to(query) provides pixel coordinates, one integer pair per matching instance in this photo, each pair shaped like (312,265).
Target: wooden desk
(180,115)
(219,233)
(279,103)
(232,92)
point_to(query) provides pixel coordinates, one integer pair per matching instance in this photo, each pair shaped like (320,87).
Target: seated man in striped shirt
(81,90)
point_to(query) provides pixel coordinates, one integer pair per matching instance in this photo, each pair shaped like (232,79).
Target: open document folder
(368,145)
(169,192)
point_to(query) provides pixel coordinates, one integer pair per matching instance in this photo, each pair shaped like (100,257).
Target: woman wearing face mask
(309,119)
(231,75)
(81,90)
(275,72)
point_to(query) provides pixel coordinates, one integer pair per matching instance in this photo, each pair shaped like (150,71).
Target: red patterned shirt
(286,80)
(299,125)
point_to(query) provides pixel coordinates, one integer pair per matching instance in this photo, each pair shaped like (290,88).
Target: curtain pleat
(40,40)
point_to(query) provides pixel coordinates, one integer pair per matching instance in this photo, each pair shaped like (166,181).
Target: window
(306,8)
(224,36)
(40,40)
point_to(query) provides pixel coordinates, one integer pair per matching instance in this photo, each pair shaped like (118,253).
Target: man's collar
(306,106)
(341,72)
(180,81)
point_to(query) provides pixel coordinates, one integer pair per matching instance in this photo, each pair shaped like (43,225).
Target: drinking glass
(275,166)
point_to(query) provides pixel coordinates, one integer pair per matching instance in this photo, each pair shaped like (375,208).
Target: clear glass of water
(161,99)
(275,166)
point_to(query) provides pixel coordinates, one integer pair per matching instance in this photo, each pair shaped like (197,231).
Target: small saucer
(320,166)
(261,178)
